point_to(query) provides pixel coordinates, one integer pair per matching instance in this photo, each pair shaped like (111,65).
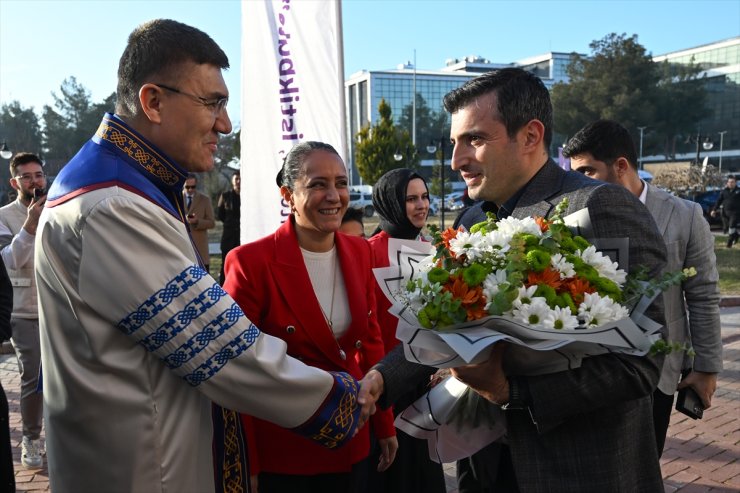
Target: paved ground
(700,456)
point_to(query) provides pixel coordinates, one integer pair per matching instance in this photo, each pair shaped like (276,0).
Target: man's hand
(371,388)
(32,216)
(703,383)
(388,449)
(487,378)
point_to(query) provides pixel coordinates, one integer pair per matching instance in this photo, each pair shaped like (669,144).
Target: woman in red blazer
(401,199)
(313,288)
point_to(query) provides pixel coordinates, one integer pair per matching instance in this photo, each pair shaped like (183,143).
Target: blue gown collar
(139,152)
(118,155)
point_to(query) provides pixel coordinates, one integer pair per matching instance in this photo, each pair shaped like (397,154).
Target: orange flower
(461,291)
(549,276)
(542,223)
(577,288)
(476,311)
(449,234)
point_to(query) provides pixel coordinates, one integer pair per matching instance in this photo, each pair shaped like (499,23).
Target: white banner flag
(292,91)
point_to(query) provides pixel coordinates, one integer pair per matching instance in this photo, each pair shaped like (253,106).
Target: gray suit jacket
(689,243)
(588,429)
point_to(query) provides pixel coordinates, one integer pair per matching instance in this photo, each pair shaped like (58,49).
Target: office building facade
(365,89)
(720,72)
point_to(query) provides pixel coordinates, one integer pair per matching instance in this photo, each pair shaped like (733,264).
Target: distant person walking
(228,212)
(200,217)
(728,206)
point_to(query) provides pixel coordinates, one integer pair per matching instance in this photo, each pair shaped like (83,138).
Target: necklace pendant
(342,354)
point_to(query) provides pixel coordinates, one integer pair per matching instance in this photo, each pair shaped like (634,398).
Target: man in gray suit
(604,150)
(584,429)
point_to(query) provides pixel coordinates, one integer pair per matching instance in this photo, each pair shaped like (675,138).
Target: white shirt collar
(643,195)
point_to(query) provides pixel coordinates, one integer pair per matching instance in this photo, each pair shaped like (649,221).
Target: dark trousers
(662,408)
(412,471)
(733,220)
(489,470)
(226,247)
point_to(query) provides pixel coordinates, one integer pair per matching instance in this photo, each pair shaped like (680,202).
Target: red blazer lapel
(355,274)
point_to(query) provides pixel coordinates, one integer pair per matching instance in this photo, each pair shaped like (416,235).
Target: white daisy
(526,295)
(498,239)
(603,265)
(492,282)
(470,244)
(560,318)
(512,226)
(560,264)
(596,310)
(533,314)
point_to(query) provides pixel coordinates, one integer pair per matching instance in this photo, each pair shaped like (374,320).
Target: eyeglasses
(28,177)
(216,105)
(188,187)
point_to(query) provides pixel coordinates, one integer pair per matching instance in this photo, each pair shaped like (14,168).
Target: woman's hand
(388,449)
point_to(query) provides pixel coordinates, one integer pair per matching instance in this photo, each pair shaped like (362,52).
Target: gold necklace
(329,319)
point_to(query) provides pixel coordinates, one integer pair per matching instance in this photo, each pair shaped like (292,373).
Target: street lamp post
(5,153)
(707,144)
(431,149)
(639,161)
(721,142)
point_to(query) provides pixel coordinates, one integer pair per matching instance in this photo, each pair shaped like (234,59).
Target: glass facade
(364,90)
(720,73)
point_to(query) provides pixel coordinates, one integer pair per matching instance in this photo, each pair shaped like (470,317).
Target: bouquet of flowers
(531,282)
(532,270)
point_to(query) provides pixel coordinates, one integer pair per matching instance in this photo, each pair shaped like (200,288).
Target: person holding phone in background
(604,150)
(18,222)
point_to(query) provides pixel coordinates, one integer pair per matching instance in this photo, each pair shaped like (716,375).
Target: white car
(362,201)
(454,201)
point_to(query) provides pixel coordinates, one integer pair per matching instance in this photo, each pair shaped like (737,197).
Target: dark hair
(21,158)
(192,176)
(293,161)
(520,98)
(353,214)
(158,49)
(605,140)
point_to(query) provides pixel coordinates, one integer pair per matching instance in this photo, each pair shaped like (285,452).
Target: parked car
(435,203)
(707,200)
(454,201)
(362,201)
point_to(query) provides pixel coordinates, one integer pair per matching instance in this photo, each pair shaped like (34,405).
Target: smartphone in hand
(38,193)
(689,403)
